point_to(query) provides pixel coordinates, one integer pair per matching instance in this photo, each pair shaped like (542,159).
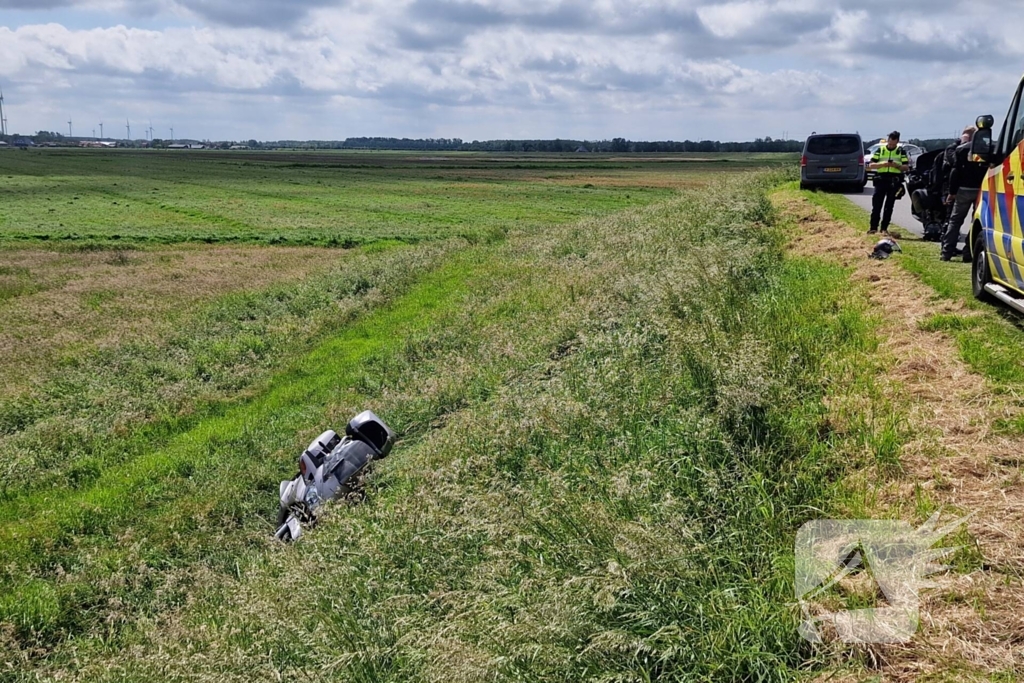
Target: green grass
(118,197)
(988,336)
(611,430)
(107,405)
(15,282)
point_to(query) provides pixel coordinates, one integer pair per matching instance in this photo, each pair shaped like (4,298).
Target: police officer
(889,163)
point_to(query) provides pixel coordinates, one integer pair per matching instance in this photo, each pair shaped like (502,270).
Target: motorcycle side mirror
(982,145)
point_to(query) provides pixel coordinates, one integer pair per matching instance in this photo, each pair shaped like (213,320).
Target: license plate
(833,169)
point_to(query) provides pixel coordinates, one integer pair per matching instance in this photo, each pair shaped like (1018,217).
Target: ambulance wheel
(980,274)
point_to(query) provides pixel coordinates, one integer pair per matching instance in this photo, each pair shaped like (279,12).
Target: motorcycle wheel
(282,516)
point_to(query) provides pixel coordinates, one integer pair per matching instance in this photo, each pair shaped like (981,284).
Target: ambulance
(995,241)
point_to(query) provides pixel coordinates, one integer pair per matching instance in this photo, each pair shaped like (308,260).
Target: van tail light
(803,161)
(861,160)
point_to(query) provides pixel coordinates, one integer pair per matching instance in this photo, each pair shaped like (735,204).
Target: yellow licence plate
(833,170)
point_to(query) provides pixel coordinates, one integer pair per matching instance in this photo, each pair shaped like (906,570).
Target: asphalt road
(901,215)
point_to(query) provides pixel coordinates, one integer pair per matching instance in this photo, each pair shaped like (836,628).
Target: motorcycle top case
(371,430)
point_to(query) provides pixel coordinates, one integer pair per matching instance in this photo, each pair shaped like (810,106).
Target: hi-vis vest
(885,154)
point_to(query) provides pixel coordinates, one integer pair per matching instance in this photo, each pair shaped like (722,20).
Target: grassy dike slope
(612,430)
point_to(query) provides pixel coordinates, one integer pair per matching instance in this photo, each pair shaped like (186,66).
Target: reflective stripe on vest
(885,154)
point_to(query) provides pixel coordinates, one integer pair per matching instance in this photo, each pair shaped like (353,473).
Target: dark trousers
(962,208)
(884,200)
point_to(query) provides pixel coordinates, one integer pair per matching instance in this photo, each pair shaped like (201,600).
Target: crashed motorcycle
(926,200)
(328,470)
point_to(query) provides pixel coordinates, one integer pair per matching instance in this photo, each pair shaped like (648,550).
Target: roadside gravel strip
(972,625)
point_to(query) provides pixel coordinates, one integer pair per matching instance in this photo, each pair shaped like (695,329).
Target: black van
(834,160)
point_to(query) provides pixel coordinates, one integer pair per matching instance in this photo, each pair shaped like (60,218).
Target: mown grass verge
(988,335)
(611,432)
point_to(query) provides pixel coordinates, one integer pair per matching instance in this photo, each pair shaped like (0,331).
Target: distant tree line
(405,144)
(613,146)
(933,144)
(428,144)
(930,144)
(622,145)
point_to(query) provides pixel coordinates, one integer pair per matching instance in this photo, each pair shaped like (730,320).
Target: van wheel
(804,186)
(980,274)
(857,189)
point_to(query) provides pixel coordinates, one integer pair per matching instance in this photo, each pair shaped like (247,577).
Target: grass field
(333,199)
(611,389)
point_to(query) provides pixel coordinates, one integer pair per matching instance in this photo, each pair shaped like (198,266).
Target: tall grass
(611,431)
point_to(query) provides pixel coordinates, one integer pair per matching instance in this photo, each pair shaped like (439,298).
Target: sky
(495,69)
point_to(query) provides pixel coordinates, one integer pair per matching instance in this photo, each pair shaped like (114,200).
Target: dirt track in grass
(972,625)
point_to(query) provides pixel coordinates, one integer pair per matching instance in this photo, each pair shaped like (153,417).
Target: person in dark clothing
(889,163)
(964,185)
(938,187)
(948,158)
(940,175)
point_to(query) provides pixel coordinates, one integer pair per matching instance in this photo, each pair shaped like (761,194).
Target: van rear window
(834,144)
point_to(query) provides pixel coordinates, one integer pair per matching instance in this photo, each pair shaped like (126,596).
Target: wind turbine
(151,130)
(172,133)
(70,134)
(3,121)
(128,127)
(101,130)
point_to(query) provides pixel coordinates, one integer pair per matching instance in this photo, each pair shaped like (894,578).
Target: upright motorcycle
(327,470)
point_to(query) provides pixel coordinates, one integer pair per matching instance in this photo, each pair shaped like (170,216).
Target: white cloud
(733,18)
(490,68)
